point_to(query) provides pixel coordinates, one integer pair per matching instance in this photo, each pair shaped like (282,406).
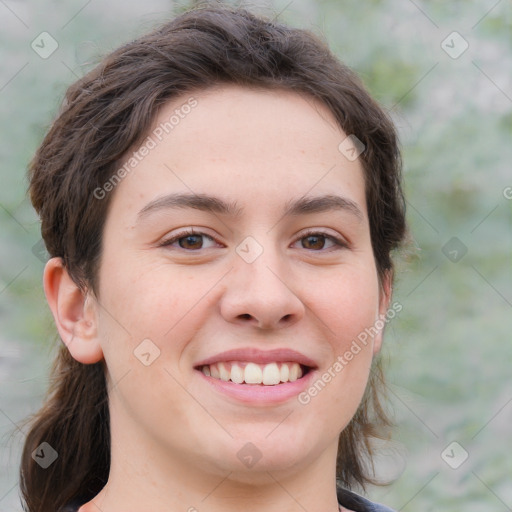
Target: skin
(174,439)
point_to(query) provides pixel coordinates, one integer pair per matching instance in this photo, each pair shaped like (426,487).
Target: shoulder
(357,503)
(73,505)
(69,508)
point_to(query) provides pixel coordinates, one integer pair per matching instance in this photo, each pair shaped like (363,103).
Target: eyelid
(339,241)
(183,234)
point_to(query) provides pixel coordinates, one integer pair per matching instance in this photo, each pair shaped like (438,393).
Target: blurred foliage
(448,350)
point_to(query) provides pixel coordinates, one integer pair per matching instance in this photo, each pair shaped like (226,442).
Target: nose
(261,293)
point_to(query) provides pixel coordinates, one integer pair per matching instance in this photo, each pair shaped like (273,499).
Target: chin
(253,457)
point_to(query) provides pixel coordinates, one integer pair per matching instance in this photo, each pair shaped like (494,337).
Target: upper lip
(260,356)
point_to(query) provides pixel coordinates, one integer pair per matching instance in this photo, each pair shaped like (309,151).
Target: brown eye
(187,240)
(316,241)
(190,242)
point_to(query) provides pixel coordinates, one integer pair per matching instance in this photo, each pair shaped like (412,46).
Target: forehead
(255,121)
(257,146)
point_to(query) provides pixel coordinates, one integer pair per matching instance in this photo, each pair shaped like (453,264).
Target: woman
(220,199)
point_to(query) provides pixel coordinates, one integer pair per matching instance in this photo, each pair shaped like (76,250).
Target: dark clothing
(357,503)
(347,499)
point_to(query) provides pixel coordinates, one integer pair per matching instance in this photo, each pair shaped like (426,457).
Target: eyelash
(340,243)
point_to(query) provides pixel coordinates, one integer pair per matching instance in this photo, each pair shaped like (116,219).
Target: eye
(191,240)
(317,240)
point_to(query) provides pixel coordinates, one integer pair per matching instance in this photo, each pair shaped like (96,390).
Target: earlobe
(74,313)
(384,301)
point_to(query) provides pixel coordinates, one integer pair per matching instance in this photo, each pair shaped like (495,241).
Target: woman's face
(252,172)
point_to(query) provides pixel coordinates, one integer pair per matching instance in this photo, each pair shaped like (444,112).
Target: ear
(384,300)
(74,312)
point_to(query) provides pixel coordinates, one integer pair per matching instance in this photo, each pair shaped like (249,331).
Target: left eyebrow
(321,204)
(207,203)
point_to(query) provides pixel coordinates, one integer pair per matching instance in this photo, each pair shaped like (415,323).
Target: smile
(242,372)
(257,377)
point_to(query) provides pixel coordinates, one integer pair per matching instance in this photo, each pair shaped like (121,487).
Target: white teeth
(251,373)
(224,374)
(271,374)
(295,373)
(214,371)
(285,372)
(237,374)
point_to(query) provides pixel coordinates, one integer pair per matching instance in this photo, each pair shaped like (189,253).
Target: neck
(143,476)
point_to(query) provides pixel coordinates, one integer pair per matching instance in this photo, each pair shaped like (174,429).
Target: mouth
(257,377)
(255,374)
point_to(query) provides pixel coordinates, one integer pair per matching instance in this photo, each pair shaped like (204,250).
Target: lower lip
(256,393)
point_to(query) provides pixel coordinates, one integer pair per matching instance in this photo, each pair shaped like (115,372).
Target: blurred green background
(448,353)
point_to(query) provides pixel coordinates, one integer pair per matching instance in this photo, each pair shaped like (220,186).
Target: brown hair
(107,112)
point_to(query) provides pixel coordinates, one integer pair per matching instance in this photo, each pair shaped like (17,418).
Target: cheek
(348,304)
(143,300)
(349,311)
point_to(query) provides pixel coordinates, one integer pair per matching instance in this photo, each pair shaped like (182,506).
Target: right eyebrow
(202,202)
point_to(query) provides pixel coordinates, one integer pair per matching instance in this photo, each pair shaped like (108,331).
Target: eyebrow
(207,203)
